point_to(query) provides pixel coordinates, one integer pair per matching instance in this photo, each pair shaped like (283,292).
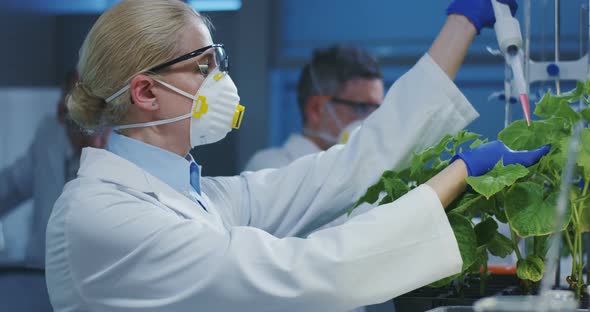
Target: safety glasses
(359,108)
(219,59)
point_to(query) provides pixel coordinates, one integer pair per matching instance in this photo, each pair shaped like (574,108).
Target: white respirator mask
(345,131)
(349,131)
(215,112)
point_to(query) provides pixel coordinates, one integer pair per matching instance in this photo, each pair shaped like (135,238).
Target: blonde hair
(128,39)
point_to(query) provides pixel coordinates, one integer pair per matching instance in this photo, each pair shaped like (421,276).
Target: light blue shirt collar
(164,165)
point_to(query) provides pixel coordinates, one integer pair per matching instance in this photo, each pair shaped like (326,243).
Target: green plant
(525,198)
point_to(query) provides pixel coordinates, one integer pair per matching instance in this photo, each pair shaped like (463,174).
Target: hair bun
(84,107)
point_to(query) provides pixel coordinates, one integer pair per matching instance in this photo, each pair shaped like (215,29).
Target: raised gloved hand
(479,12)
(483,158)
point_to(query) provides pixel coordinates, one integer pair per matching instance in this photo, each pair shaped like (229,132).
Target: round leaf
(557,106)
(466,239)
(500,246)
(531,268)
(497,179)
(485,231)
(528,213)
(519,136)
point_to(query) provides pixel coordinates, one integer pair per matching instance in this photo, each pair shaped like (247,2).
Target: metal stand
(555,71)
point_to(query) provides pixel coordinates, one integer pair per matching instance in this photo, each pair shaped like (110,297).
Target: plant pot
(427,298)
(468,309)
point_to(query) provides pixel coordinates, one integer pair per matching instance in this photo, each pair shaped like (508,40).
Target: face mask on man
(215,111)
(343,131)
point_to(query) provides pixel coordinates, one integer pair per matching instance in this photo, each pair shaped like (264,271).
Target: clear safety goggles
(214,56)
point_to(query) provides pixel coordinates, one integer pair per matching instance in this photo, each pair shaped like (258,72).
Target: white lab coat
(39,174)
(121,240)
(295,147)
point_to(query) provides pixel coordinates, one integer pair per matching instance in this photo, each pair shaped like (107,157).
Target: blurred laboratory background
(268,42)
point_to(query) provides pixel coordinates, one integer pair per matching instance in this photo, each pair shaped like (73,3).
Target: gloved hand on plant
(479,12)
(483,158)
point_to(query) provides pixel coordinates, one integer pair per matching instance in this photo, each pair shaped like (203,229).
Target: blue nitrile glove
(483,158)
(479,12)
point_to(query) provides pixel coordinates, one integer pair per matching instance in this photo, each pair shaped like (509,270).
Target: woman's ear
(141,89)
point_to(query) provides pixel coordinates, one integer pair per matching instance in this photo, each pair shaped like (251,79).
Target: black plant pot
(426,298)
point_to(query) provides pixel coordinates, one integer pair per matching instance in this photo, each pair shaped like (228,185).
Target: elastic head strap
(152,123)
(173,88)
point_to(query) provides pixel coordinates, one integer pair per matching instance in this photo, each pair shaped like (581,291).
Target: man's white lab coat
(295,147)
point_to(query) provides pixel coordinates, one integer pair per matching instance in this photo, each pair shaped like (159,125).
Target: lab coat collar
(298,146)
(111,168)
(170,168)
(117,170)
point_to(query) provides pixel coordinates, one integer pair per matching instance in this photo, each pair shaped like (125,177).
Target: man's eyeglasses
(359,108)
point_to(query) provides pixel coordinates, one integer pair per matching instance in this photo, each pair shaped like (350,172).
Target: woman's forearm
(451,44)
(450,182)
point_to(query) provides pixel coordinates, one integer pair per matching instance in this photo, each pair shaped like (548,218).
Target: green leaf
(583,210)
(519,136)
(547,106)
(434,151)
(500,246)
(577,92)
(555,159)
(464,136)
(487,206)
(465,235)
(531,268)
(497,179)
(586,114)
(372,194)
(481,256)
(477,143)
(566,112)
(558,106)
(464,202)
(421,160)
(385,200)
(584,155)
(485,231)
(395,187)
(444,282)
(585,219)
(541,245)
(501,215)
(529,212)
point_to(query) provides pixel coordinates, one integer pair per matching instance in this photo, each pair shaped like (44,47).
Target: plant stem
(551,181)
(580,262)
(515,244)
(483,279)
(568,239)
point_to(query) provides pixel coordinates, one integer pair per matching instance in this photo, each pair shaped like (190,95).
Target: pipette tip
(526,109)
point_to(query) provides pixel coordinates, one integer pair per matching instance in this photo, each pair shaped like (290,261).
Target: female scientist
(140,230)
